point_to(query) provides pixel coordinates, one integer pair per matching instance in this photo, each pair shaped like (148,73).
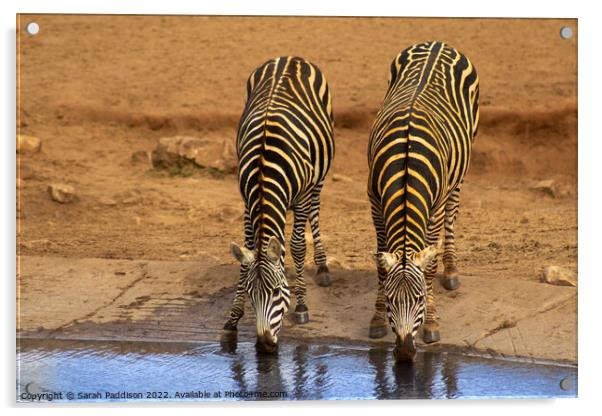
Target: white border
(590,138)
(432,8)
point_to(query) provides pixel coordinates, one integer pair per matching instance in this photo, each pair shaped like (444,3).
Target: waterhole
(68,371)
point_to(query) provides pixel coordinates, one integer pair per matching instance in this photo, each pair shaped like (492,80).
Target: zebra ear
(384,261)
(274,250)
(423,258)
(242,254)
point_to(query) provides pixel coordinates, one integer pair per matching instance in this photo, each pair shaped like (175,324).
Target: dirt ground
(142,253)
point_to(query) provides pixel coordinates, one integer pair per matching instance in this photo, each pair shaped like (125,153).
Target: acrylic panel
(174,172)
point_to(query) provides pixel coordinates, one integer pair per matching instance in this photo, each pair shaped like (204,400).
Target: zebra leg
(378,324)
(238,305)
(450,273)
(298,249)
(322,277)
(230,332)
(237,311)
(430,329)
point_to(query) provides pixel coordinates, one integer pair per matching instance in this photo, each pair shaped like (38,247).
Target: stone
(341,178)
(558,276)
(28,144)
(130,197)
(142,158)
(61,192)
(166,154)
(336,263)
(25,171)
(548,187)
(105,200)
(228,160)
(227,214)
(218,154)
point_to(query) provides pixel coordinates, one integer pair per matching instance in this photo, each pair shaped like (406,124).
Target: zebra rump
(418,154)
(285,147)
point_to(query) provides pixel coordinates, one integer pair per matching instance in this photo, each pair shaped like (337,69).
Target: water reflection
(450,379)
(238,373)
(302,371)
(433,375)
(300,378)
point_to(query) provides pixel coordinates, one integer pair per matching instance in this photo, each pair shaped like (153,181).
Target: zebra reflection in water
(314,372)
(434,375)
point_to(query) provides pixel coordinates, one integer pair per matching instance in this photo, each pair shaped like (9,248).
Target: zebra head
(265,282)
(405,296)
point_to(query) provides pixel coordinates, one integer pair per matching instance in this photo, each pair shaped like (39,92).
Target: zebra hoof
(323,276)
(378,331)
(451,284)
(301,315)
(430,333)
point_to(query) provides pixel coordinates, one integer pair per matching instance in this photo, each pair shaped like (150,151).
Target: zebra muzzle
(405,350)
(267,343)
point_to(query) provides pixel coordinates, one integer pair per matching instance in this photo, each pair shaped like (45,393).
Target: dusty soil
(95,89)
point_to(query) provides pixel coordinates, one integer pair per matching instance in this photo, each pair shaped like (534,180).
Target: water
(67,371)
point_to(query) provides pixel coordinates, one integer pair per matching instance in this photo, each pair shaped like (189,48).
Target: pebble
(61,192)
(104,200)
(25,171)
(559,276)
(553,189)
(28,144)
(341,178)
(142,158)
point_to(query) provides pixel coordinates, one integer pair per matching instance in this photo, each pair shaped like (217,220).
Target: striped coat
(285,149)
(418,155)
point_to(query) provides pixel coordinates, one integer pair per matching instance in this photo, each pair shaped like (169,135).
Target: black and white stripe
(418,154)
(285,148)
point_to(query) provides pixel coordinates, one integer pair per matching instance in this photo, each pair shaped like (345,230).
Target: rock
(131,197)
(62,193)
(335,263)
(142,158)
(548,187)
(104,200)
(524,220)
(28,144)
(494,245)
(227,214)
(228,160)
(218,154)
(25,171)
(341,178)
(556,275)
(167,152)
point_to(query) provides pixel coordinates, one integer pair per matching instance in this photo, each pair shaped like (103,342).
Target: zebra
(285,147)
(418,154)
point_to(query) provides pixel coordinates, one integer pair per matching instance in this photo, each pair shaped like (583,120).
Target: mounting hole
(566,32)
(567,383)
(32,28)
